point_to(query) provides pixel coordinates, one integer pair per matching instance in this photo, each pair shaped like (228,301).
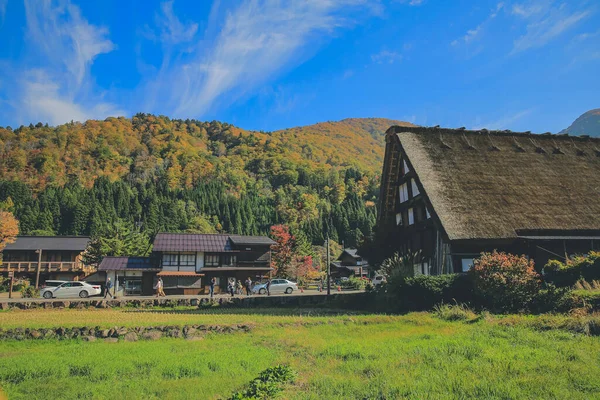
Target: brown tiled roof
(73,243)
(192,242)
(214,243)
(494,184)
(251,240)
(126,263)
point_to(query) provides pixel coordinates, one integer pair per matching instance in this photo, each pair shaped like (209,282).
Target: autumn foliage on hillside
(177,175)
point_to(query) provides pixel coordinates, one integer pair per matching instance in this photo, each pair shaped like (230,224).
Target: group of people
(233,287)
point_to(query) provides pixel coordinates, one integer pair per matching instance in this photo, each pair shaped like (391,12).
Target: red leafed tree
(288,258)
(282,252)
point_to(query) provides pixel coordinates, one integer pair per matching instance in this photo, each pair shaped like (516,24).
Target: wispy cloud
(53,82)
(386,57)
(474,34)
(506,121)
(257,40)
(173,31)
(545,22)
(412,2)
(3,4)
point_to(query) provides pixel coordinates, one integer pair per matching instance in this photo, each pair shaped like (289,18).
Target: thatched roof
(493,184)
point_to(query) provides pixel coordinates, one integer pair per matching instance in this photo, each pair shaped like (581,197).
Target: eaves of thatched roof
(493,184)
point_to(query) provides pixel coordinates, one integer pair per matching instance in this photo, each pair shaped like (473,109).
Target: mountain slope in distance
(587,124)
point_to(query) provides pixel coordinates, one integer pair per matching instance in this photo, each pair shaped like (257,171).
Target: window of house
(415,189)
(403,192)
(411,216)
(467,263)
(427,213)
(187,259)
(211,260)
(426,268)
(405,166)
(399,219)
(228,260)
(169,259)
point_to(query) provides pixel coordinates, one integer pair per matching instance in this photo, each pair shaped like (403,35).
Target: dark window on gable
(211,260)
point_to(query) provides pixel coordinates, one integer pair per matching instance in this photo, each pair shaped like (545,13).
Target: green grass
(416,356)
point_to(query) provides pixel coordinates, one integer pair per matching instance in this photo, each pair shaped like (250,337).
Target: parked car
(71,289)
(378,280)
(277,286)
(52,283)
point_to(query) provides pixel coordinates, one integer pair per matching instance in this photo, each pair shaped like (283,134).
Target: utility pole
(39,265)
(328,271)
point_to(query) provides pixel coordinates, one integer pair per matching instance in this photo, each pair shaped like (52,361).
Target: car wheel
(83,294)
(48,294)
(262,291)
(289,290)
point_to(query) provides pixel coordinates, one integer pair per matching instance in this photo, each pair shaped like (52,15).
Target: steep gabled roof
(192,242)
(208,242)
(491,184)
(66,243)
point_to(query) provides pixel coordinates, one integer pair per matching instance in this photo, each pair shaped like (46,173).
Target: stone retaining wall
(189,332)
(252,301)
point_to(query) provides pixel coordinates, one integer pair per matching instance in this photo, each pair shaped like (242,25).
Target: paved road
(17,296)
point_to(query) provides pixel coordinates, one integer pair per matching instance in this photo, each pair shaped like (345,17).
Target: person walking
(268,287)
(107,288)
(230,287)
(240,289)
(159,288)
(213,281)
(248,286)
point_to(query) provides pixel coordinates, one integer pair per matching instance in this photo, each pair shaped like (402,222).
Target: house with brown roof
(187,262)
(453,193)
(350,263)
(46,257)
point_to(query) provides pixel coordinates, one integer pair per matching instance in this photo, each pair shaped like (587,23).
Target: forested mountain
(175,175)
(586,124)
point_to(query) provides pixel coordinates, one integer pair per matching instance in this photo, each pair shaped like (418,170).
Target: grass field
(415,356)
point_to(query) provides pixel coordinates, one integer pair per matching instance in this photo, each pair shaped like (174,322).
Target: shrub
(506,282)
(28,291)
(268,384)
(423,292)
(586,267)
(456,312)
(354,283)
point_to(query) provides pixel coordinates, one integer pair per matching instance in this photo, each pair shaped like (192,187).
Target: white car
(378,280)
(277,286)
(71,289)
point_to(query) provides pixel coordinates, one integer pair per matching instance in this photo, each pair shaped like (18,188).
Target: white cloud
(256,41)
(505,122)
(386,57)
(53,82)
(412,2)
(172,29)
(545,21)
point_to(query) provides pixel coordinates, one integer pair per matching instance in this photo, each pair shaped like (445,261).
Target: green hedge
(423,292)
(585,267)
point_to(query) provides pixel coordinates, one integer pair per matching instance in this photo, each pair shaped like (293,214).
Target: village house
(453,193)
(46,257)
(187,262)
(350,263)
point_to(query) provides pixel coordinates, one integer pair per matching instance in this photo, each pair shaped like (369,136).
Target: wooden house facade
(453,193)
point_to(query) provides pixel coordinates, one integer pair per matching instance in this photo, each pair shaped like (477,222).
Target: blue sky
(267,64)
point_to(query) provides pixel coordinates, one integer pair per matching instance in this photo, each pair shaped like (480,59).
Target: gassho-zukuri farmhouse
(453,193)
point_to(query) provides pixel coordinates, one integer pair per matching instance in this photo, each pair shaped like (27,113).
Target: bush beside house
(498,282)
